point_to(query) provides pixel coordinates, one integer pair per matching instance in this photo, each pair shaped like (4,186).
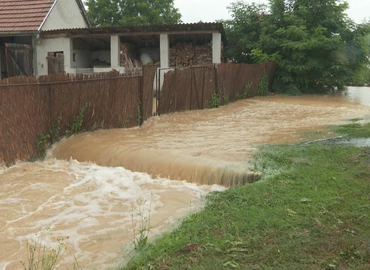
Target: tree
(362,40)
(244,30)
(132,12)
(317,48)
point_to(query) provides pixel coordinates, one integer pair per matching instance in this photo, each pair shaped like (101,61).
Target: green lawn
(311,210)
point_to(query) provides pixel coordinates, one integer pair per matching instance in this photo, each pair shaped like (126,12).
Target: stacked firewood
(128,56)
(203,55)
(182,55)
(185,54)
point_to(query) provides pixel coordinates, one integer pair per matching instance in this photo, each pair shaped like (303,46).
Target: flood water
(93,189)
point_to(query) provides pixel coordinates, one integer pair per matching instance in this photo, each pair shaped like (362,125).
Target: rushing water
(93,188)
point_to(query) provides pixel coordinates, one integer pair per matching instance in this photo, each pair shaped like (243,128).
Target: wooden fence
(191,88)
(30,106)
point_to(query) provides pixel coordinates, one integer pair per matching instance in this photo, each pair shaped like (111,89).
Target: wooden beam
(102,35)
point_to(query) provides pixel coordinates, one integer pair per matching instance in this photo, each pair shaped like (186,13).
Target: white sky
(193,11)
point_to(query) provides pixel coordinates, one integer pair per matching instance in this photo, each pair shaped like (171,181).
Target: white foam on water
(93,208)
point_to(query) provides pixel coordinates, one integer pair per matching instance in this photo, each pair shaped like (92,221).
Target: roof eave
(83,12)
(18,33)
(47,16)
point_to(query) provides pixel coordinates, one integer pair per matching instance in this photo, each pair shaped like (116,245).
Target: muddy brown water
(93,189)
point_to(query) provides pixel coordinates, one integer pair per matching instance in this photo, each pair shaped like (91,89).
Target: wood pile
(203,55)
(182,55)
(185,54)
(128,56)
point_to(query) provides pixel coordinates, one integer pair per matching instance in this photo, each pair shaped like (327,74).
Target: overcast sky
(211,10)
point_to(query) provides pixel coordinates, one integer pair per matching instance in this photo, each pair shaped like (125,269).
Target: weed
(126,123)
(141,228)
(76,126)
(263,89)
(41,257)
(42,144)
(225,100)
(55,130)
(54,134)
(245,91)
(215,101)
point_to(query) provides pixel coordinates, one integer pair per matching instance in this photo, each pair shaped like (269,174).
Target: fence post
(175,88)
(204,84)
(215,74)
(50,108)
(158,99)
(191,88)
(141,97)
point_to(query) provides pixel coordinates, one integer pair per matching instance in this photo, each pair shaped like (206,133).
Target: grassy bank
(311,211)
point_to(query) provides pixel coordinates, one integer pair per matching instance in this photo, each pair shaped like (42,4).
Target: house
(40,37)
(89,50)
(21,22)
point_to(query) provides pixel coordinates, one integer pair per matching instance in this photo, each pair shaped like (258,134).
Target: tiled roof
(23,15)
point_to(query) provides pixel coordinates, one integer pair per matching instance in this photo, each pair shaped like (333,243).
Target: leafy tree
(244,30)
(132,12)
(315,45)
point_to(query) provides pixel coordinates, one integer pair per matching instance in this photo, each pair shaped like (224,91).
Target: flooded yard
(94,188)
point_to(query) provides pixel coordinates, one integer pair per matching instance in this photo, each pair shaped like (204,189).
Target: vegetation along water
(311,210)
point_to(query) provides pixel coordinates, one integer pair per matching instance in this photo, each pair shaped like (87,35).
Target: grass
(310,211)
(314,135)
(355,130)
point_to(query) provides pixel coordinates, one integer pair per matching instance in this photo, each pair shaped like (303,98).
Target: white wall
(164,50)
(115,48)
(65,14)
(83,59)
(216,48)
(43,46)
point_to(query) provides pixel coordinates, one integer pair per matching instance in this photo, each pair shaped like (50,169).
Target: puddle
(357,142)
